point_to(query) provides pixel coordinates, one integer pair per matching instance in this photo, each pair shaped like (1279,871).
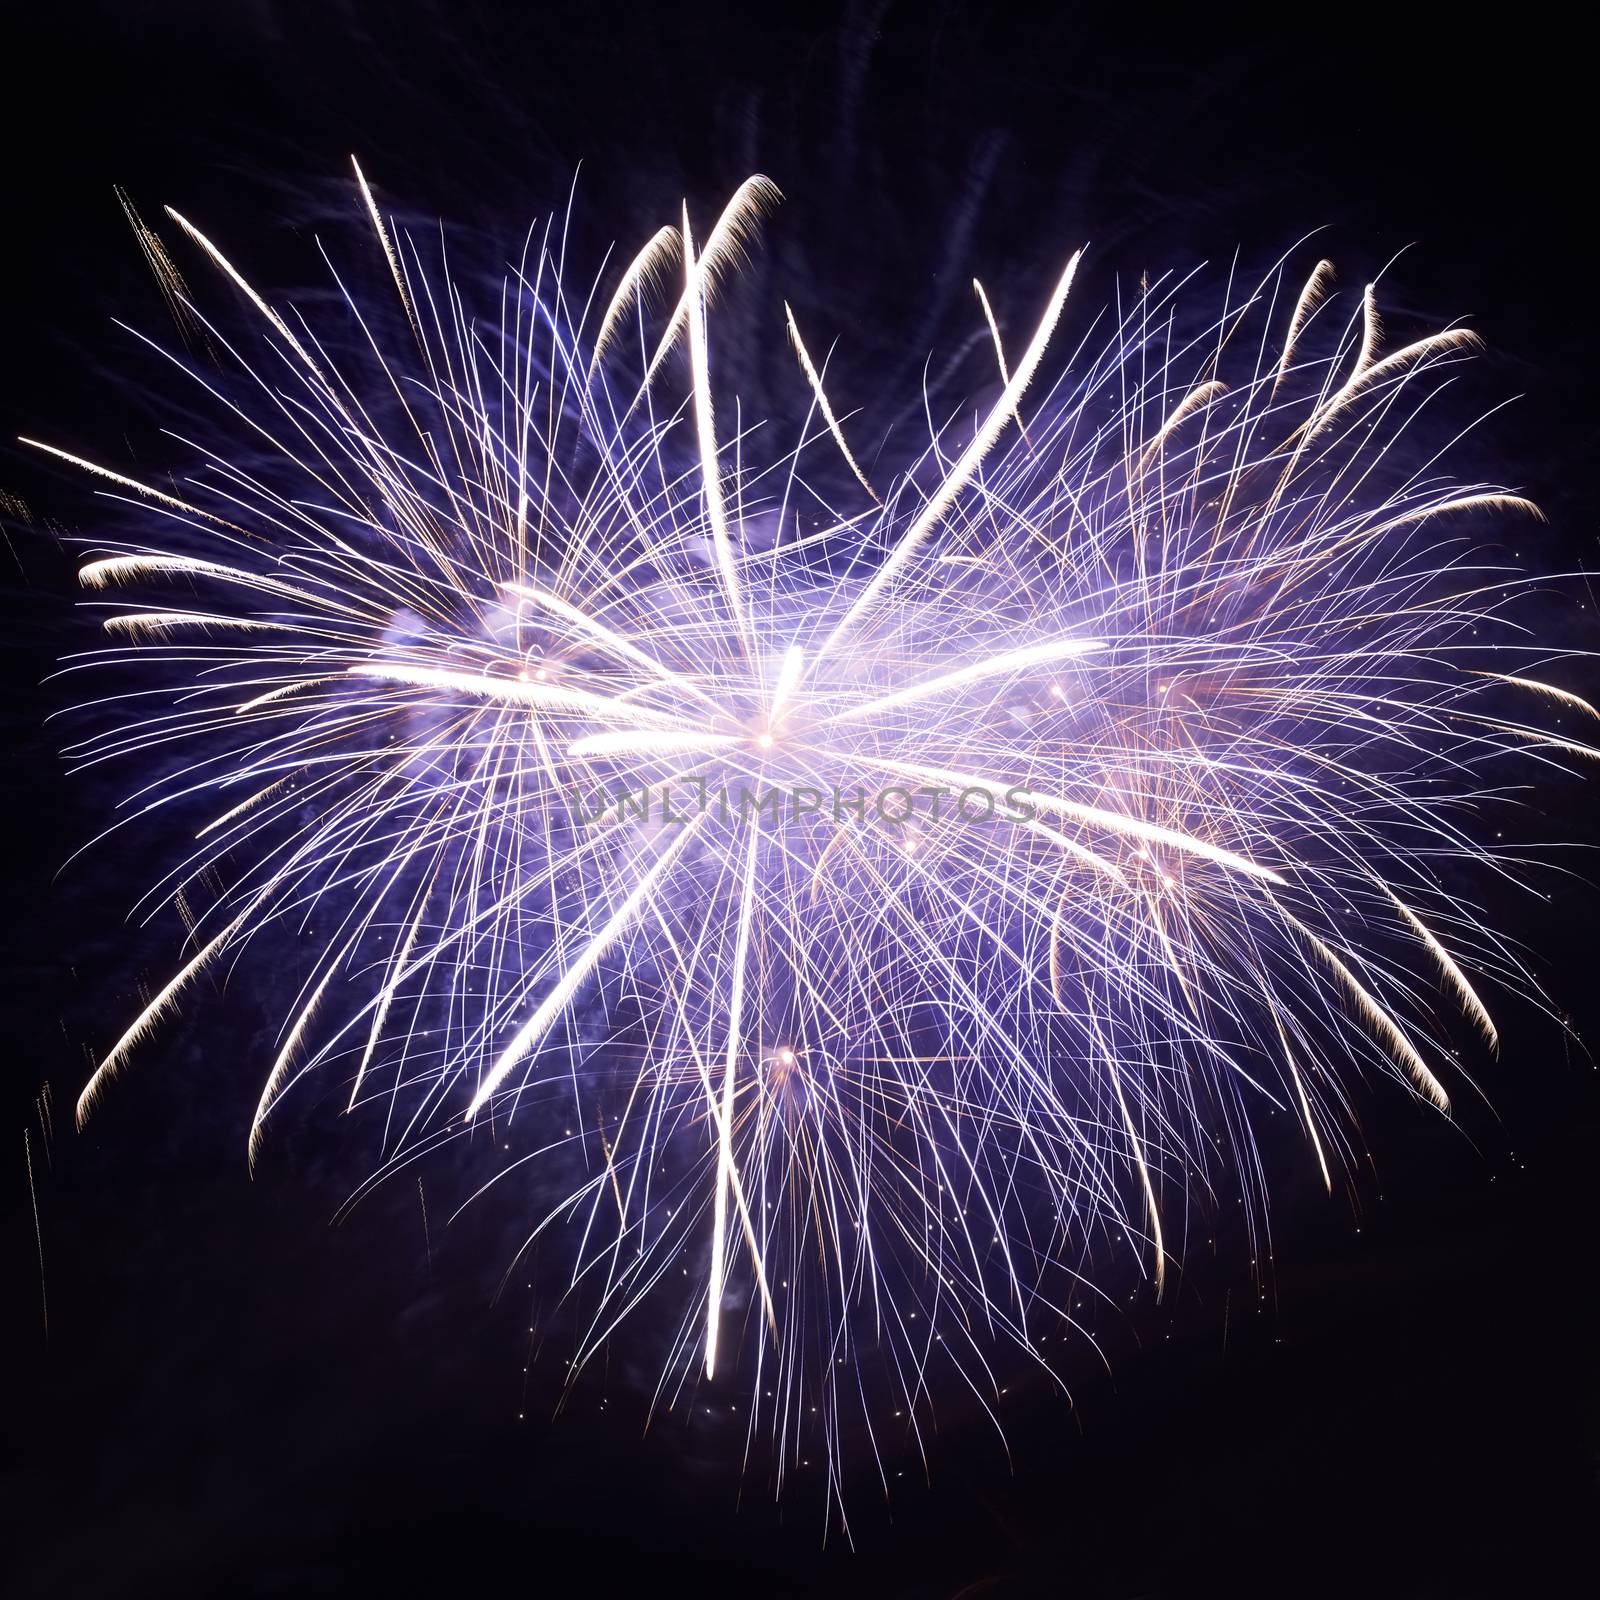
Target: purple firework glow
(899,897)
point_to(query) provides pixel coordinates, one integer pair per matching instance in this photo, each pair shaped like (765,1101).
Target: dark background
(235,1397)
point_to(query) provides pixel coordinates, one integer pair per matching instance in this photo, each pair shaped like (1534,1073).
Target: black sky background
(234,1397)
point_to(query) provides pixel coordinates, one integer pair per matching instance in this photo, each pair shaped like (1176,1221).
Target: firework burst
(901,894)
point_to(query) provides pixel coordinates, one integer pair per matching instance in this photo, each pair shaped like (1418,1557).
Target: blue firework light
(895,898)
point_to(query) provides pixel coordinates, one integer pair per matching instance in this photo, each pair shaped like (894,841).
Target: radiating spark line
(650,265)
(1000,356)
(388,249)
(1002,665)
(243,808)
(1366,376)
(161,622)
(725,247)
(1197,399)
(1305,1102)
(714,1109)
(1094,816)
(280,327)
(38,1229)
(283,691)
(125,482)
(152,1013)
(1152,1209)
(1312,295)
(706,433)
(280,1067)
(1459,981)
(650,742)
(108,570)
(551,1008)
(1382,1022)
(380,1013)
(788,677)
(725,1162)
(613,640)
(1371,331)
(814,378)
(174,291)
(966,464)
(1565,696)
(515,691)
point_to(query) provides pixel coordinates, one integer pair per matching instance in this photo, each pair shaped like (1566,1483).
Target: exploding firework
(899,898)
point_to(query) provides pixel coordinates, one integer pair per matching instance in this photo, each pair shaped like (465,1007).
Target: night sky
(234,1396)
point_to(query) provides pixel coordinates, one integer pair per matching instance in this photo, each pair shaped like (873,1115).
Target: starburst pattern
(904,896)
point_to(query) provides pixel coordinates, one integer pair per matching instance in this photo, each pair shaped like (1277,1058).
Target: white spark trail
(966,464)
(556,1002)
(820,395)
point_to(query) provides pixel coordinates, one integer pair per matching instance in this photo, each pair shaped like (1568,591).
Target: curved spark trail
(904,916)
